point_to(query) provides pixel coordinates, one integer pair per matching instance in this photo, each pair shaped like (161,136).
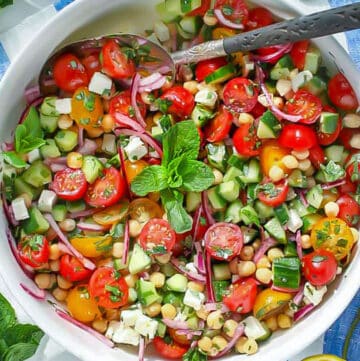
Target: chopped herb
(342,243)
(227,10)
(319,259)
(73,64)
(163,104)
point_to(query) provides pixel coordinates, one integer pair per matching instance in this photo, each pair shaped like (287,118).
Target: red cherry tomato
(353,170)
(298,137)
(69,73)
(319,267)
(115,63)
(241,95)
(346,135)
(219,127)
(207,67)
(72,269)
(245,140)
(180,243)
(349,210)
(258,18)
(157,237)
(270,50)
(69,184)
(202,9)
(258,110)
(121,103)
(305,104)
(240,12)
(242,295)
(317,156)
(329,138)
(181,101)
(201,229)
(92,64)
(298,53)
(106,190)
(108,288)
(170,350)
(341,93)
(224,241)
(34,250)
(274,194)
(348,187)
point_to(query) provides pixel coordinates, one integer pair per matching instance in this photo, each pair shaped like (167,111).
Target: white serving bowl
(86,18)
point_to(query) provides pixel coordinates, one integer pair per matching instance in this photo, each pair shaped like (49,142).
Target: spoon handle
(315,25)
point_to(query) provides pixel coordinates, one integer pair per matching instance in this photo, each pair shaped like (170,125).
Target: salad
(200,215)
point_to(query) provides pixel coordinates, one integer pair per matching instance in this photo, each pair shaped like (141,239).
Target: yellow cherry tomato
(329,195)
(269,302)
(334,235)
(272,154)
(81,305)
(221,33)
(86,108)
(323,358)
(134,168)
(143,209)
(93,246)
(113,214)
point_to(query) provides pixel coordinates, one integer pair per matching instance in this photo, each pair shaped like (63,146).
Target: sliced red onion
(191,275)
(64,249)
(173,37)
(124,121)
(144,275)
(189,333)
(199,259)
(81,136)
(153,82)
(32,94)
(222,19)
(274,109)
(206,207)
(126,243)
(298,244)
(56,167)
(134,91)
(178,325)
(335,184)
(123,170)
(145,137)
(238,333)
(299,296)
(91,227)
(8,211)
(85,213)
(303,312)
(6,147)
(303,198)
(197,217)
(86,262)
(150,79)
(35,292)
(209,285)
(282,49)
(141,348)
(57,160)
(265,245)
(88,147)
(88,329)
(34,103)
(214,306)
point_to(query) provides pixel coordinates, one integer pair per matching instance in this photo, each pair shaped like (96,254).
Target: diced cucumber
(66,140)
(48,123)
(174,6)
(249,215)
(286,271)
(297,179)
(290,250)
(193,200)
(191,24)
(146,292)
(216,201)
(276,230)
(233,212)
(255,329)
(201,115)
(334,153)
(193,322)
(36,223)
(229,190)
(328,122)
(312,60)
(119,265)
(221,271)
(38,174)
(282,213)
(59,212)
(139,260)
(161,330)
(285,62)
(269,126)
(47,107)
(315,196)
(249,234)
(92,168)
(233,174)
(220,289)
(263,210)
(279,73)
(50,149)
(300,208)
(177,283)
(188,6)
(133,297)
(295,222)
(236,161)
(165,14)
(252,191)
(320,176)
(76,206)
(184,34)
(167,269)
(174,298)
(309,222)
(221,75)
(315,86)
(251,172)
(217,155)
(20,186)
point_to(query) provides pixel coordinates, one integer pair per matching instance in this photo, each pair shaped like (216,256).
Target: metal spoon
(305,27)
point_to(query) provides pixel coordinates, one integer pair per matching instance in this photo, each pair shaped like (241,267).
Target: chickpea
(331,209)
(304,165)
(230,327)
(157,117)
(154,196)
(158,279)
(274,253)
(246,118)
(309,172)
(210,20)
(256,244)
(43,281)
(205,344)
(55,252)
(134,228)
(202,313)
(263,275)
(247,253)
(67,225)
(164,258)
(74,160)
(63,282)
(54,265)
(153,310)
(246,345)
(191,86)
(290,162)
(276,173)
(271,323)
(300,155)
(219,343)
(305,241)
(218,176)
(60,294)
(108,123)
(100,325)
(233,266)
(131,280)
(215,320)
(263,262)
(168,311)
(246,268)
(118,249)
(112,314)
(64,121)
(195,286)
(284,321)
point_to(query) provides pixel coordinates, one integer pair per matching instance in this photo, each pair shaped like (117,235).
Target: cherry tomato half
(298,53)
(202,9)
(69,184)
(353,169)
(207,67)
(72,269)
(108,288)
(298,137)
(346,136)
(245,140)
(241,296)
(181,101)
(157,237)
(92,64)
(178,338)
(258,18)
(349,210)
(219,127)
(34,250)
(239,13)
(143,209)
(115,63)
(107,190)
(273,194)
(317,156)
(224,241)
(305,104)
(319,267)
(171,350)
(328,138)
(121,103)
(341,93)
(240,95)
(69,73)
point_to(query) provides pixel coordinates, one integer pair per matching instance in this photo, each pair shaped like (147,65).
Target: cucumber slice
(220,289)
(38,174)
(66,140)
(36,223)
(217,202)
(191,24)
(263,210)
(165,14)
(184,34)
(315,86)
(20,186)
(285,62)
(75,206)
(48,123)
(286,271)
(276,230)
(297,179)
(312,60)
(201,115)
(177,283)
(251,172)
(189,5)
(236,161)
(217,155)
(50,149)
(309,222)
(173,6)
(334,153)
(221,272)
(279,73)
(255,329)
(249,215)
(221,75)
(269,126)
(233,212)
(193,201)
(92,168)
(146,292)
(315,196)
(59,212)
(328,122)
(290,250)
(176,299)
(249,234)
(299,207)
(139,260)
(233,174)
(229,190)
(282,213)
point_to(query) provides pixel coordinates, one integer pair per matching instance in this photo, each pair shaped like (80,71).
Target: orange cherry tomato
(92,246)
(180,339)
(143,209)
(272,154)
(132,169)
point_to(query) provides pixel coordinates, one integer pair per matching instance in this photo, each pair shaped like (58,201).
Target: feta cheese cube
(161,31)
(33,155)
(19,209)
(136,149)
(300,79)
(63,106)
(100,83)
(295,222)
(47,200)
(191,267)
(194,299)
(263,100)
(146,326)
(109,144)
(206,97)
(129,317)
(313,294)
(120,334)
(112,327)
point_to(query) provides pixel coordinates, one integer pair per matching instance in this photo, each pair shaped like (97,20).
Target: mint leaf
(181,139)
(32,124)
(172,201)
(174,177)
(4,3)
(23,333)
(7,315)
(194,354)
(151,179)
(28,144)
(20,352)
(332,171)
(20,133)
(13,159)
